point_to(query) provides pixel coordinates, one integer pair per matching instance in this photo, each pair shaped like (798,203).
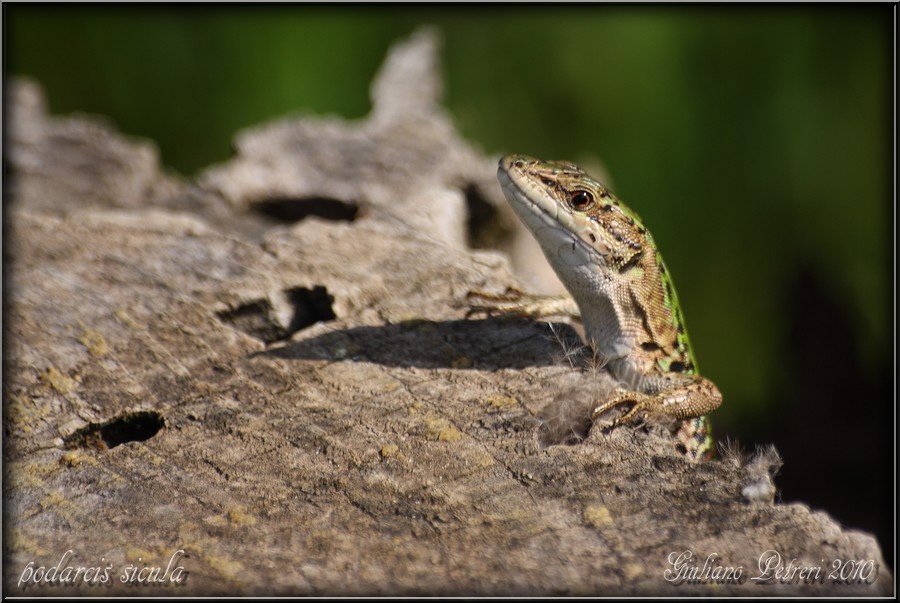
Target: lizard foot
(516,303)
(640,403)
(508,302)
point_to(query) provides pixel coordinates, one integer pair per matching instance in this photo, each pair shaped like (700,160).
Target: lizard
(622,292)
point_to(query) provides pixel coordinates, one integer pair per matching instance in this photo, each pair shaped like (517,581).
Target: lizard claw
(640,403)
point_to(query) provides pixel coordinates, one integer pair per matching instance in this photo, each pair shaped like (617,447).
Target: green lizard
(625,299)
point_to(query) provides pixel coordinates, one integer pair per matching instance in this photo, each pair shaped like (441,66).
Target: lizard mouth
(553,227)
(532,205)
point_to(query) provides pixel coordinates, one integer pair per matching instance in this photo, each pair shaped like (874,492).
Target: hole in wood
(258,318)
(310,306)
(255,318)
(296,209)
(132,427)
(485,226)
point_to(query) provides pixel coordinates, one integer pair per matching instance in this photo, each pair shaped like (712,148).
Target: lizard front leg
(686,397)
(514,302)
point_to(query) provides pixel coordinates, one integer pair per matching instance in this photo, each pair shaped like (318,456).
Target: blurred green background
(756,143)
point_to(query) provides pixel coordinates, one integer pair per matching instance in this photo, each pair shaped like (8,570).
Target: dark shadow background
(754,141)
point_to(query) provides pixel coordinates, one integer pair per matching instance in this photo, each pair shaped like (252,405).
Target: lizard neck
(631,319)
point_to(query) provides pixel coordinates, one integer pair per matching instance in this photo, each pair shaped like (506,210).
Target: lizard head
(572,215)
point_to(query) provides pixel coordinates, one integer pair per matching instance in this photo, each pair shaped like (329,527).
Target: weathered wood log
(305,409)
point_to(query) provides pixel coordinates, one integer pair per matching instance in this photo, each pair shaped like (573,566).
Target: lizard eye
(581,200)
